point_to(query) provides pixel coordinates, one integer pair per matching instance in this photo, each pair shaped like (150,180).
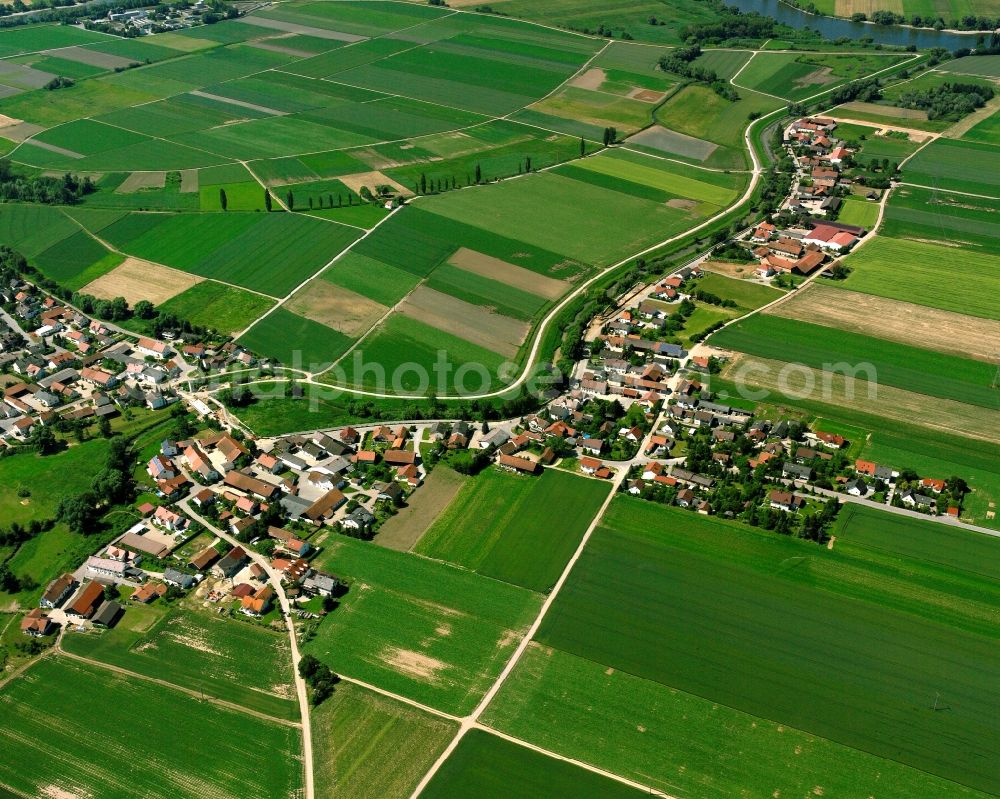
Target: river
(835,28)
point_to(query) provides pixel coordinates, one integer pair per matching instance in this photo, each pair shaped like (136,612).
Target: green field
(372,278)
(911,271)
(906,367)
(985,65)
(369,746)
(423,629)
(796,77)
(516,539)
(214,305)
(296,341)
(903,635)
(68,728)
(270,253)
(480,290)
(914,539)
(942,217)
(748,296)
(384,360)
(242,663)
(684,744)
(489,767)
(863,213)
(962,166)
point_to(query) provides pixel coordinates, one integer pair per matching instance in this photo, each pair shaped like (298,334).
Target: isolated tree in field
(310,203)
(527,164)
(583,147)
(607,136)
(340,200)
(330,198)
(267,200)
(479,174)
(290,201)
(104,427)
(613,135)
(423,183)
(223,200)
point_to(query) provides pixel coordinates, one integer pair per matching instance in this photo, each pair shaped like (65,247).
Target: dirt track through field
(138,280)
(512,275)
(342,309)
(894,320)
(889,402)
(501,334)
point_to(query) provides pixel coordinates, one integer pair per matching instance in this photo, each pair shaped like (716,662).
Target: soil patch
(739,271)
(476,324)
(414,664)
(646,95)
(818,77)
(136,280)
(189,181)
(894,320)
(371,180)
(138,181)
(671,142)
(592,79)
(512,275)
(84,55)
(238,103)
(402,531)
(342,309)
(680,202)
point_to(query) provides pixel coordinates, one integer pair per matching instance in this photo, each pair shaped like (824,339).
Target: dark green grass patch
(490,767)
(174,726)
(403,610)
(327,64)
(900,365)
(698,600)
(516,539)
(214,305)
(296,341)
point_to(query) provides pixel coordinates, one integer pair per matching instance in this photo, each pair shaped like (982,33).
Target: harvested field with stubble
(894,320)
(501,334)
(138,181)
(404,530)
(137,279)
(371,180)
(512,275)
(342,309)
(803,382)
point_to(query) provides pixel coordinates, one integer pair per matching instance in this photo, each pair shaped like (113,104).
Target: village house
(57,591)
(784,500)
(85,602)
(37,623)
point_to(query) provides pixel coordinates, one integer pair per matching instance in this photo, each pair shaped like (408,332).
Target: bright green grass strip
(957,165)
(744,293)
(399,604)
(910,368)
(516,539)
(32,229)
(863,213)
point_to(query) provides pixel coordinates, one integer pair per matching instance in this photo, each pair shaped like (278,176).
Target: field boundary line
(946,191)
(200,695)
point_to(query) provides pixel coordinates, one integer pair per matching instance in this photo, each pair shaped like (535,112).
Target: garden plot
(138,181)
(342,309)
(474,323)
(504,272)
(137,279)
